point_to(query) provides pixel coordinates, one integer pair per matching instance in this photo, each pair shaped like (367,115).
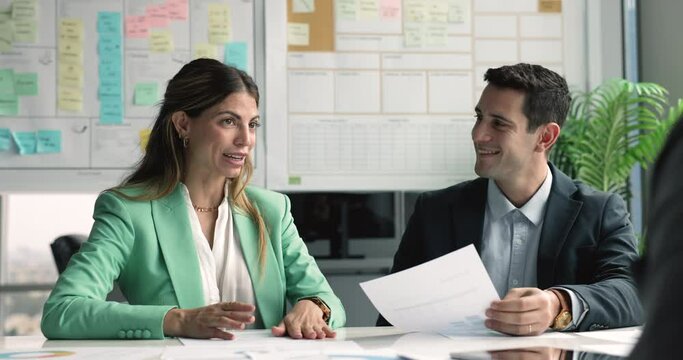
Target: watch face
(562,320)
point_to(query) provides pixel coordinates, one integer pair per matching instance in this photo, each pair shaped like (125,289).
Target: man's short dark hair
(547,94)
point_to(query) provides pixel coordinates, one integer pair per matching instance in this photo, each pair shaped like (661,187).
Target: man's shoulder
(580,191)
(470,189)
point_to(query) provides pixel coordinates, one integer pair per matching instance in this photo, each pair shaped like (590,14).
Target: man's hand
(209,321)
(304,321)
(523,311)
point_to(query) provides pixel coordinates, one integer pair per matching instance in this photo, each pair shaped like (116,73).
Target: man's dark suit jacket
(587,243)
(660,275)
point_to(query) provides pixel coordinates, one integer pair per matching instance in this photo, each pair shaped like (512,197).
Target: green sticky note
(145,94)
(111,110)
(9,104)
(26,84)
(7,81)
(6,35)
(5,139)
(294,180)
(26,142)
(236,55)
(49,142)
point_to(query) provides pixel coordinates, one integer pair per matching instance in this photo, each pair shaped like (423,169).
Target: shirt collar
(499,205)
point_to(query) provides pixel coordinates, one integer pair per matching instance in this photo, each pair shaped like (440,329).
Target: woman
(195,251)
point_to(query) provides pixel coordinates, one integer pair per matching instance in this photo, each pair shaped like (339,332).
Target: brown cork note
(550,6)
(317,20)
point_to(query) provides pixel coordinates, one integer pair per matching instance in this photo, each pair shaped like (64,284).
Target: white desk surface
(415,345)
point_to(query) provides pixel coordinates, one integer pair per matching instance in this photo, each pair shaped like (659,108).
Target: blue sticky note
(5,139)
(109,72)
(109,45)
(49,142)
(111,110)
(26,142)
(236,55)
(108,89)
(109,22)
(111,60)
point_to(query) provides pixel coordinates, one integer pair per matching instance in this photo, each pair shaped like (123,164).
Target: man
(533,227)
(661,272)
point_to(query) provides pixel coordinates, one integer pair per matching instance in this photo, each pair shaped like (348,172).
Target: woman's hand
(304,321)
(209,321)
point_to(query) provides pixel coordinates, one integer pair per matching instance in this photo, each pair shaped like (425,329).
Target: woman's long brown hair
(199,85)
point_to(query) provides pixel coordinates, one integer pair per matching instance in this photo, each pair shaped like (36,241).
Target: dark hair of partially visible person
(199,85)
(547,94)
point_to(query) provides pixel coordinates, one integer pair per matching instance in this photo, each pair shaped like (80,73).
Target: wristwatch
(564,318)
(321,304)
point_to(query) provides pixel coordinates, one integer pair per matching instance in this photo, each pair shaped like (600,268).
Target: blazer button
(138,334)
(129,334)
(122,334)
(146,334)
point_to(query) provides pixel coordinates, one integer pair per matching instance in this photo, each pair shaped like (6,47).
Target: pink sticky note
(137,27)
(177,9)
(157,15)
(390,9)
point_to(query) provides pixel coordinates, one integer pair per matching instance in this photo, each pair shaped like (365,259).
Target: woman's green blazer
(147,247)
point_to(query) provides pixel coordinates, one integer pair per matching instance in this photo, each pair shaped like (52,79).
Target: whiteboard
(380,95)
(155,39)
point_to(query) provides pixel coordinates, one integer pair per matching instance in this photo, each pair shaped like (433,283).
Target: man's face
(505,150)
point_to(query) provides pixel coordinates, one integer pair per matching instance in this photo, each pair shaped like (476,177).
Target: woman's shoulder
(267,200)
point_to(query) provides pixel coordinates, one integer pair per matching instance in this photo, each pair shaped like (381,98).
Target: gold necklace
(204,209)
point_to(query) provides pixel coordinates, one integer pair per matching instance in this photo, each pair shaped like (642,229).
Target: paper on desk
(448,295)
(264,341)
(628,335)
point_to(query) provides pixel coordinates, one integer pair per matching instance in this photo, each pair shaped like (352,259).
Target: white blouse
(224,273)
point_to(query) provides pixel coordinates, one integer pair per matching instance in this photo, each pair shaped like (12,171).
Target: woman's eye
(254,125)
(229,121)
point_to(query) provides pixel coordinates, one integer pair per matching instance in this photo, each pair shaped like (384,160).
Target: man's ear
(181,122)
(548,136)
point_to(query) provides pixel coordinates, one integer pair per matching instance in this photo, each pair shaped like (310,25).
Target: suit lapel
(267,288)
(468,215)
(177,246)
(560,215)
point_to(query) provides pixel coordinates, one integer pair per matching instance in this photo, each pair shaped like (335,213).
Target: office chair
(64,247)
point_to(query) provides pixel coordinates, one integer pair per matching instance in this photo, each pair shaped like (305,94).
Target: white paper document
(448,295)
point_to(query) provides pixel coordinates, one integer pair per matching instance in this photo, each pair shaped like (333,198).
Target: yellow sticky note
(71,29)
(25,31)
(70,52)
(6,35)
(70,75)
(144,138)
(414,11)
(368,9)
(204,50)
(69,99)
(218,13)
(220,33)
(413,36)
(298,34)
(437,11)
(346,9)
(458,11)
(161,41)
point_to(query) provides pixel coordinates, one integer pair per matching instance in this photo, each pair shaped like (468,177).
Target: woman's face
(222,136)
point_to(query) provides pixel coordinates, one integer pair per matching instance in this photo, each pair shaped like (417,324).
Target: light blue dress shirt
(509,247)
